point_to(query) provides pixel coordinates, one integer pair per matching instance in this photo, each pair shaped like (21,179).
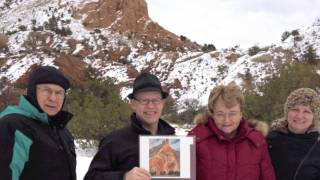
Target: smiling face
(227,119)
(300,119)
(50,98)
(148,106)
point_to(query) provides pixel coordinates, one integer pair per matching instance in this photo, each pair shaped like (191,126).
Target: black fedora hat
(147,82)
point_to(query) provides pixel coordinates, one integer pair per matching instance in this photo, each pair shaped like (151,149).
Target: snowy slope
(188,74)
(307,36)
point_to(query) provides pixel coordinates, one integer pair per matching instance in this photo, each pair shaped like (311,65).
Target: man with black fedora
(118,154)
(34,141)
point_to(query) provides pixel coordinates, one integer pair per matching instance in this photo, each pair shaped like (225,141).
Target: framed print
(168,157)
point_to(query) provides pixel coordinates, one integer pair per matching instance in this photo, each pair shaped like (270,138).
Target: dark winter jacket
(35,147)
(119,151)
(244,157)
(287,150)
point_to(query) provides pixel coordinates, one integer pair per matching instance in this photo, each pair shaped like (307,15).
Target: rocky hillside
(118,38)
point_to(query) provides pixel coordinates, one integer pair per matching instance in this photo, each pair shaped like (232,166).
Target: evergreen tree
(98,109)
(254,50)
(191,107)
(52,24)
(310,55)
(285,35)
(208,48)
(3,82)
(183,38)
(267,103)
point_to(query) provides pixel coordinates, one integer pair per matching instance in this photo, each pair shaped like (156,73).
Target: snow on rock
(14,69)
(189,74)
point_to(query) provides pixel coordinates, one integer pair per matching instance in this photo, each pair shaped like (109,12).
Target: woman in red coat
(227,148)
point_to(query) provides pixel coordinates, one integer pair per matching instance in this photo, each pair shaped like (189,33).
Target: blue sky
(226,23)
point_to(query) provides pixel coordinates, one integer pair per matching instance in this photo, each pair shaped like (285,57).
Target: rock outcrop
(164,162)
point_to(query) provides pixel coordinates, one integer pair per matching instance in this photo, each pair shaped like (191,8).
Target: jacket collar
(25,108)
(243,130)
(204,131)
(61,119)
(163,127)
(281,125)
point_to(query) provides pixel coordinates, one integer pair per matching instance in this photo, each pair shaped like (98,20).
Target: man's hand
(137,174)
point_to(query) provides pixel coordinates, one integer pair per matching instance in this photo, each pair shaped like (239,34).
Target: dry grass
(233,57)
(263,58)
(3,41)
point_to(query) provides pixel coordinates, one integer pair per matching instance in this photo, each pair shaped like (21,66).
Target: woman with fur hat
(226,147)
(294,140)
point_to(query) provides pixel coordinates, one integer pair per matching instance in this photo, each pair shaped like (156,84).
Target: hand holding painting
(137,173)
(168,157)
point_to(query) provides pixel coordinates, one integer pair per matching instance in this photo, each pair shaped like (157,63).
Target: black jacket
(119,151)
(35,147)
(287,150)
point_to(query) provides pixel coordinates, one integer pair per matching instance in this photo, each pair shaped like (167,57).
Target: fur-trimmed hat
(304,96)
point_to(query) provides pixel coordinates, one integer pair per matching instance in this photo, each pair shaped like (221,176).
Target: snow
(118,72)
(140,62)
(84,158)
(2,55)
(206,72)
(197,72)
(78,31)
(16,68)
(310,37)
(83,163)
(79,47)
(16,41)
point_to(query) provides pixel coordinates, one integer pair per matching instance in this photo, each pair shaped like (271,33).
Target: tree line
(98,108)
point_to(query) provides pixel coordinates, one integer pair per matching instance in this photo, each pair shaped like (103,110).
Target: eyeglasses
(147,101)
(46,91)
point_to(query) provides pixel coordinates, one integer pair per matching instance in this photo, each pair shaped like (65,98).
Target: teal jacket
(34,146)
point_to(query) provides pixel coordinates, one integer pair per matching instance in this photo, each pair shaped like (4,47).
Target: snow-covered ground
(84,156)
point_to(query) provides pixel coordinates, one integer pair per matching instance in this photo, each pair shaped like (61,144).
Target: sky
(227,23)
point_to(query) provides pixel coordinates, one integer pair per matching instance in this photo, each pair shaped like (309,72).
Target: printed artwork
(164,157)
(168,157)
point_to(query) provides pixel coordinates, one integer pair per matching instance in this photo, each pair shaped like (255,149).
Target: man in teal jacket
(34,143)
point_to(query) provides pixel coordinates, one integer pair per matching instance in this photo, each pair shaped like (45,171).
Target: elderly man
(118,154)
(34,143)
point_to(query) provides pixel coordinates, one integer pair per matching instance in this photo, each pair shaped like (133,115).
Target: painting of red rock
(164,157)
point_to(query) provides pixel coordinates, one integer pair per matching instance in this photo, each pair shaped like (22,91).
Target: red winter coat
(244,157)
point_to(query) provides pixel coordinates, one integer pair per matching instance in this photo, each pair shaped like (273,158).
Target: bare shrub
(3,42)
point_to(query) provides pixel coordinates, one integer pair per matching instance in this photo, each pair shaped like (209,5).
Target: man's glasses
(156,101)
(46,91)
